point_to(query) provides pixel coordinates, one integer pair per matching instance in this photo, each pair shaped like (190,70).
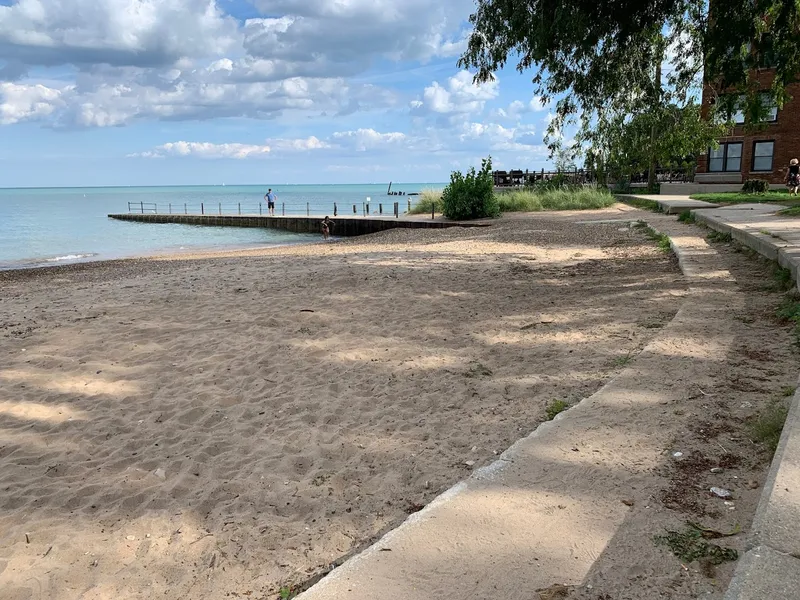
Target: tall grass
(425,200)
(566,198)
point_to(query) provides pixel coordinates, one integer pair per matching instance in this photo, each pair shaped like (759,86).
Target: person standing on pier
(270,198)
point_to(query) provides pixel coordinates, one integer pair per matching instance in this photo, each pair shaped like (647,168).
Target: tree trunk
(651,176)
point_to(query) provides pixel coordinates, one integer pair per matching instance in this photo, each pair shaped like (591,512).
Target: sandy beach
(219,426)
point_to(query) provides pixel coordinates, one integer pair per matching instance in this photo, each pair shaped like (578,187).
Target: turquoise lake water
(61,225)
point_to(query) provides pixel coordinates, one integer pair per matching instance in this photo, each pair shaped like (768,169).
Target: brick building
(762,154)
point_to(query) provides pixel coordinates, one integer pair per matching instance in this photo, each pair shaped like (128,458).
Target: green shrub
(755,186)
(471,196)
(655,189)
(623,186)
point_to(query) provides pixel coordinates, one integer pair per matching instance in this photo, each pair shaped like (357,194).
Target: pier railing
(518,178)
(283,209)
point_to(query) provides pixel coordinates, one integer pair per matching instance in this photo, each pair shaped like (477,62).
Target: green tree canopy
(625,145)
(602,58)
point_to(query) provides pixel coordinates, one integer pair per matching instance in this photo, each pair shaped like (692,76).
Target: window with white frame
(726,158)
(762,156)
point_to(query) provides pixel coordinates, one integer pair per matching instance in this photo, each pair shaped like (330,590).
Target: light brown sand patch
(256,443)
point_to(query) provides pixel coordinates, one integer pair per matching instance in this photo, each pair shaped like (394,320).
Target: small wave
(70,257)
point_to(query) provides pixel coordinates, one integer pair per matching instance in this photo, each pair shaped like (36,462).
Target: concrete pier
(345,226)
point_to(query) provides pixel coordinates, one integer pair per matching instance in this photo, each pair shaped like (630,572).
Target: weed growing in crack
(661,240)
(554,408)
(286,593)
(690,545)
(783,277)
(718,236)
(789,312)
(767,428)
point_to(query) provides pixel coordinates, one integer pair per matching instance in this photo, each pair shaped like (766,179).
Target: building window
(726,158)
(738,116)
(770,107)
(737,107)
(762,156)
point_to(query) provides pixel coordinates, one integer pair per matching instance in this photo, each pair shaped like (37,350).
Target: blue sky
(170,92)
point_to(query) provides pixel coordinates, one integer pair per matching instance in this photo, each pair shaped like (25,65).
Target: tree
(626,145)
(603,58)
(564,160)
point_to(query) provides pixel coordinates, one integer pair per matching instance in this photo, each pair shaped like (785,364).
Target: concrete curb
(771,566)
(785,253)
(670,205)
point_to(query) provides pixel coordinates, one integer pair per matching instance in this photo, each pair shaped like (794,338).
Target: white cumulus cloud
(458,96)
(359,140)
(366,139)
(117,32)
(206,150)
(23,102)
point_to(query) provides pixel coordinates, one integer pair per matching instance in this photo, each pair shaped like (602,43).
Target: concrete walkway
(549,511)
(759,227)
(671,205)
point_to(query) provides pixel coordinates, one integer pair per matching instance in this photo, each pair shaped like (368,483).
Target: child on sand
(327,226)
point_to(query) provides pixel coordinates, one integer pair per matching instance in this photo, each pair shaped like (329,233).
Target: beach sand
(219,426)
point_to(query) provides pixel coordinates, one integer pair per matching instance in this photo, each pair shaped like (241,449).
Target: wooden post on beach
(409,205)
(142,206)
(283,209)
(240,209)
(202,209)
(334,209)
(397,209)
(380,208)
(259,208)
(170,208)
(433,210)
(220,208)
(185,210)
(308,210)
(355,210)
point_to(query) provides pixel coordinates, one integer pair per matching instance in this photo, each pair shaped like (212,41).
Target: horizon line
(178,185)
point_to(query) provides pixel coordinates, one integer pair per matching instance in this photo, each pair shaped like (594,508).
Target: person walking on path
(327,227)
(270,198)
(793,176)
